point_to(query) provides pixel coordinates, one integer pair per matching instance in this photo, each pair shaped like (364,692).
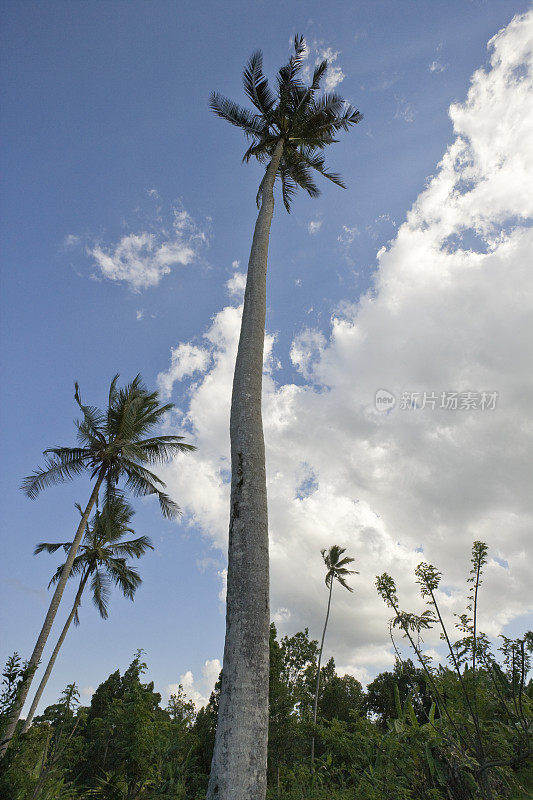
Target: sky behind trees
(126,228)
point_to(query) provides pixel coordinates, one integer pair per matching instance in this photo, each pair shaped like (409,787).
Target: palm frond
(101,591)
(169,508)
(162,448)
(113,390)
(342,582)
(318,74)
(49,547)
(287,74)
(78,566)
(236,114)
(64,466)
(135,548)
(136,472)
(124,577)
(256,84)
(288,188)
(317,161)
(299,172)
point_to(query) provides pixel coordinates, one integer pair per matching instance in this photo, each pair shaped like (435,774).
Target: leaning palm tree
(113,444)
(102,557)
(336,571)
(287,131)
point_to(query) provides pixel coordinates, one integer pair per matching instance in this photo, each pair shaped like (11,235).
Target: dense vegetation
(458,730)
(388,741)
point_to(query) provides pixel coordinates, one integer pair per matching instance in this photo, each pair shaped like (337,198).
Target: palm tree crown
(115,444)
(336,566)
(306,124)
(103,554)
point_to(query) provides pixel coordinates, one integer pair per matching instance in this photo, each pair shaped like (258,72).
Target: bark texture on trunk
(57,648)
(238,769)
(317,687)
(49,619)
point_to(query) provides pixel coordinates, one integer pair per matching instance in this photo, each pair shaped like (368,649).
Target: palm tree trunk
(49,619)
(238,769)
(54,655)
(317,688)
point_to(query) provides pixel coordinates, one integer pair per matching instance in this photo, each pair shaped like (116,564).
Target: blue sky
(107,136)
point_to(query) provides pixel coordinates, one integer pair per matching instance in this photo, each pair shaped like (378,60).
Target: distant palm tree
(101,557)
(288,130)
(113,444)
(336,571)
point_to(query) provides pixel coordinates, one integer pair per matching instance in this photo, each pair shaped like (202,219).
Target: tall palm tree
(102,556)
(113,444)
(336,571)
(288,130)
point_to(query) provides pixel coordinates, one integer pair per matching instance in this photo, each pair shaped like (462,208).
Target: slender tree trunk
(238,769)
(317,687)
(49,619)
(54,655)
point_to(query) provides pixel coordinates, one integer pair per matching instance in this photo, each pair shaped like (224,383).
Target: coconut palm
(287,132)
(336,571)
(113,444)
(102,557)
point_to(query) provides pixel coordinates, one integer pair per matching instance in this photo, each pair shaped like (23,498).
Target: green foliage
(337,566)
(293,114)
(115,443)
(102,555)
(13,677)
(484,705)
(405,680)
(410,736)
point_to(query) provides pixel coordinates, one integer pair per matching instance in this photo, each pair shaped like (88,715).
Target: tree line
(457,730)
(390,740)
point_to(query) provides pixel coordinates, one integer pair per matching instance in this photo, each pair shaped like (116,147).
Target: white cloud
(347,235)
(436,66)
(450,310)
(139,314)
(318,52)
(87,691)
(404,110)
(334,74)
(314,226)
(281,616)
(142,259)
(237,283)
(71,241)
(198,690)
(186,359)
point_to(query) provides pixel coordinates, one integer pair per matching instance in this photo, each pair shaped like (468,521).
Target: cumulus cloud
(198,689)
(142,259)
(237,283)
(449,311)
(186,359)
